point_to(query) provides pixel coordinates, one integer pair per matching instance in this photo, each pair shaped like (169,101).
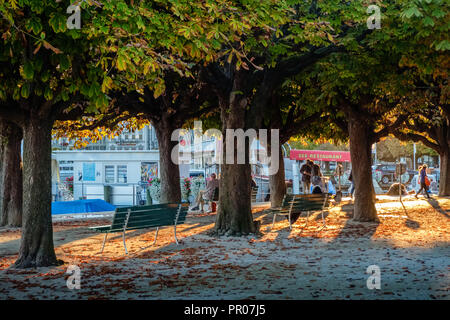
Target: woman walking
(422,180)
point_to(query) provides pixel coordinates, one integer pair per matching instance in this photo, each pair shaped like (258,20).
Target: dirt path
(410,246)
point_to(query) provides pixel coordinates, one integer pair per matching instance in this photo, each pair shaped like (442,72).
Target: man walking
(306,171)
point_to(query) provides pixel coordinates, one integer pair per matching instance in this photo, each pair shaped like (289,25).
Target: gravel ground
(410,246)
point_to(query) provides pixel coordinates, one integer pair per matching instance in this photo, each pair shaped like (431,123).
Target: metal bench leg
(104,241)
(323,219)
(274,217)
(156,236)
(175,233)
(290,224)
(124,244)
(307,216)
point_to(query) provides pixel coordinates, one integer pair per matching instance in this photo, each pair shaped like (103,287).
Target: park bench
(143,217)
(301,203)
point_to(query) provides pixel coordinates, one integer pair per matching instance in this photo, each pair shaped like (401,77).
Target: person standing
(315,169)
(306,171)
(422,180)
(316,179)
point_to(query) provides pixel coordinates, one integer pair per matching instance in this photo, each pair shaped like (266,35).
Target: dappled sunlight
(404,224)
(206,266)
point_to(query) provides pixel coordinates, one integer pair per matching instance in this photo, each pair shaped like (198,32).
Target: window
(109,174)
(122,174)
(116,174)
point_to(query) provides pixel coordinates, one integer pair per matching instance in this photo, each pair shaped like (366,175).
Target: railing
(123,193)
(120,194)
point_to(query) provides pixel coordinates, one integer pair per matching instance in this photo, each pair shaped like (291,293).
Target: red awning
(320,155)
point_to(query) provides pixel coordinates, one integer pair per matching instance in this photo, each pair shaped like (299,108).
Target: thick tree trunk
(360,151)
(444,180)
(234,215)
(11,175)
(277,182)
(169,171)
(2,160)
(36,247)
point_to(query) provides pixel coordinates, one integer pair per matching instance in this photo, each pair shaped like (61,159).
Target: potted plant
(197,184)
(186,189)
(154,189)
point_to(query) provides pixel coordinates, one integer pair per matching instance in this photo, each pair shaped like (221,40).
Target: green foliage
(391,149)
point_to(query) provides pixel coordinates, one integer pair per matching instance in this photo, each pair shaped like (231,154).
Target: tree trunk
(360,152)
(443,134)
(36,247)
(277,182)
(11,175)
(444,180)
(234,215)
(169,171)
(2,160)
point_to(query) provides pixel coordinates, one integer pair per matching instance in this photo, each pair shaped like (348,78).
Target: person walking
(306,171)
(422,180)
(352,189)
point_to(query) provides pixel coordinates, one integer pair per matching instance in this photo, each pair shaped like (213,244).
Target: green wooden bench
(143,217)
(301,203)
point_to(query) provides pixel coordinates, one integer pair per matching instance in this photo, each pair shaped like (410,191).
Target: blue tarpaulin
(81,206)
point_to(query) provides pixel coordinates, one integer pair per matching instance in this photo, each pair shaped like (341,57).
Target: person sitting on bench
(206,194)
(317,190)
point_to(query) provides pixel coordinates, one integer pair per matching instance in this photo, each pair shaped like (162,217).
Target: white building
(125,163)
(122,163)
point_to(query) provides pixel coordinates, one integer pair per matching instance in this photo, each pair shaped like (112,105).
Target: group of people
(312,176)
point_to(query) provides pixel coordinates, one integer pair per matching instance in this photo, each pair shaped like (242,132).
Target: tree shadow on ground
(435,204)
(412,224)
(351,228)
(168,253)
(77,233)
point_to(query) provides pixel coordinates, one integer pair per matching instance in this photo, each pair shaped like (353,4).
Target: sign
(149,170)
(89,171)
(400,169)
(320,155)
